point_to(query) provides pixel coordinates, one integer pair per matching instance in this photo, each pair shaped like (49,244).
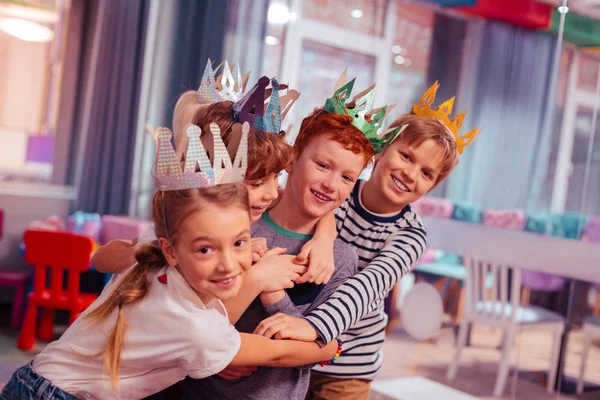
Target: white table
(414,388)
(525,250)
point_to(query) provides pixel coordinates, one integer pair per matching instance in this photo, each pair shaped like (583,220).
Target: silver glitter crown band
(197,172)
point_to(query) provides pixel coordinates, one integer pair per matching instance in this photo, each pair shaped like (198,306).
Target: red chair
(60,252)
(18,280)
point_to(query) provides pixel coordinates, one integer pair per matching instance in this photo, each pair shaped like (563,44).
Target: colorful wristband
(336,355)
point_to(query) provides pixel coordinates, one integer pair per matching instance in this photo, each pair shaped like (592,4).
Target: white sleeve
(148,236)
(213,342)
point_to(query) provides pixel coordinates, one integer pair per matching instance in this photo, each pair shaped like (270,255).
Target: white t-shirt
(169,334)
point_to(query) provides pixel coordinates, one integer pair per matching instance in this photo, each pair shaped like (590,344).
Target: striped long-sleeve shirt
(387,246)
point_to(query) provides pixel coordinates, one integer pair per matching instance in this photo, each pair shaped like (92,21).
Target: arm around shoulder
(366,290)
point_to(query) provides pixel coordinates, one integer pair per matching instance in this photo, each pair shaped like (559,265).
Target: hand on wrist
(254,279)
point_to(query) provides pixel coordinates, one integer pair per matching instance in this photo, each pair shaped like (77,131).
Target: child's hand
(233,373)
(276,271)
(319,253)
(283,326)
(259,248)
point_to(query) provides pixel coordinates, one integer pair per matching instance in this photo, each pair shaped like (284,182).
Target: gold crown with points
(442,113)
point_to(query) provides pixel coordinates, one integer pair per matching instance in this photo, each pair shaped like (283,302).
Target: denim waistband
(41,387)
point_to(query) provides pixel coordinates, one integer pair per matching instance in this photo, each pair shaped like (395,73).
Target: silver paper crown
(197,172)
(229,85)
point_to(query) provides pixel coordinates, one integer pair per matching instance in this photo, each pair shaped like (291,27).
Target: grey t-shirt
(267,382)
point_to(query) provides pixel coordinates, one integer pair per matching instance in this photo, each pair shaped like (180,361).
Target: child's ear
(290,167)
(167,249)
(375,160)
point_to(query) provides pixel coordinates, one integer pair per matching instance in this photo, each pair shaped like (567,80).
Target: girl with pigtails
(163,318)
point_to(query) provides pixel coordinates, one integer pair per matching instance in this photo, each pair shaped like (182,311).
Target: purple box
(40,149)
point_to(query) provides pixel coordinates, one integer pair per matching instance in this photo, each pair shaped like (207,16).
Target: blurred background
(80,78)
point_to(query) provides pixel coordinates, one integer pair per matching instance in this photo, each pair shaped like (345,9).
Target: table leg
(568,313)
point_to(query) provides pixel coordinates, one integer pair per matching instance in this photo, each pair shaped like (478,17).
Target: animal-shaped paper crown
(367,120)
(442,113)
(230,85)
(197,172)
(251,108)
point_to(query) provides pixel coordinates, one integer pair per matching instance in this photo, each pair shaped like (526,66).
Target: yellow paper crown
(442,113)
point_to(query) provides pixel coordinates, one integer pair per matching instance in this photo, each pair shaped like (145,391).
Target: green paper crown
(367,120)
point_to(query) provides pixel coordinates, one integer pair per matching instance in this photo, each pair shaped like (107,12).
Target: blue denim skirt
(27,385)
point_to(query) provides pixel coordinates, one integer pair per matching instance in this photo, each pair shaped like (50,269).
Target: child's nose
(228,262)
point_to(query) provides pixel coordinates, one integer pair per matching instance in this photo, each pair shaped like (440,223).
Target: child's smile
(226,283)
(258,210)
(399,184)
(321,197)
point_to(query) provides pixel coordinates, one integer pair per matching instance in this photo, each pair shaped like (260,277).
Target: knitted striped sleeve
(363,292)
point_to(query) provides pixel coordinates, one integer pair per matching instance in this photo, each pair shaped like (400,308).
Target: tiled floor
(430,359)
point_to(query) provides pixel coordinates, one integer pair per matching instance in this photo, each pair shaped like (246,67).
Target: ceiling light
(397,49)
(563,9)
(26,30)
(32,13)
(271,40)
(278,14)
(399,60)
(356,13)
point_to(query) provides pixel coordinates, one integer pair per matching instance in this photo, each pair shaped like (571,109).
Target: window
(31,42)
(575,159)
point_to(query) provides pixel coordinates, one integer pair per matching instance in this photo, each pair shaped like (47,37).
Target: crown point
(163,133)
(342,80)
(429,96)
(442,113)
(275,84)
(193,130)
(447,106)
(459,119)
